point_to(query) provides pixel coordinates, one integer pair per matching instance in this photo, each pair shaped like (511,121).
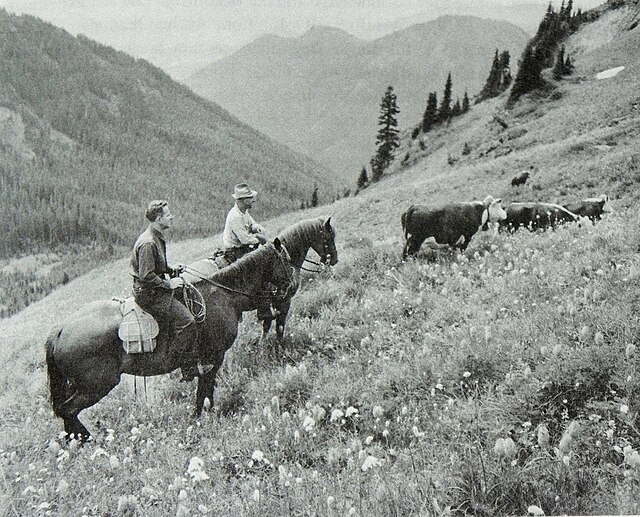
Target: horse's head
(283,273)
(326,245)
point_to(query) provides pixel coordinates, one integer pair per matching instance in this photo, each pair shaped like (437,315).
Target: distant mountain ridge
(320,92)
(88,135)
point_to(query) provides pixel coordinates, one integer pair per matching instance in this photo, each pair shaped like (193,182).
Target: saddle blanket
(138,329)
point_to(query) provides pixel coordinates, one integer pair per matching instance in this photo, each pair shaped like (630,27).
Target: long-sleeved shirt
(239,229)
(149,261)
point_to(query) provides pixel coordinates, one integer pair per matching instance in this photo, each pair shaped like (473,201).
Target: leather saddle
(138,329)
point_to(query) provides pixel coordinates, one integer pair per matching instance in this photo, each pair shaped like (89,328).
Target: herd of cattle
(456,223)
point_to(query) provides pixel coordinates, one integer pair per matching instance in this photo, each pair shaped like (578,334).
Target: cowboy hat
(242,190)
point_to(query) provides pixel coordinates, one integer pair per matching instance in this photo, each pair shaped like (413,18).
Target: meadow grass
(485,382)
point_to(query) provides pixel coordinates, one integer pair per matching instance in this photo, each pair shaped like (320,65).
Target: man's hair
(155,209)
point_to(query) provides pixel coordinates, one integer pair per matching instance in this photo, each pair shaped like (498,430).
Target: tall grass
(482,383)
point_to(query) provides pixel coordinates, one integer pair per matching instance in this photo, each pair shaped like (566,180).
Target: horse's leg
(84,396)
(281,319)
(206,385)
(266,327)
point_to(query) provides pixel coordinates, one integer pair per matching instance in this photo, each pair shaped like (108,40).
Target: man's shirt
(149,260)
(239,229)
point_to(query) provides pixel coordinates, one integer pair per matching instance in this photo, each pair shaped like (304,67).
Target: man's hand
(178,270)
(176,282)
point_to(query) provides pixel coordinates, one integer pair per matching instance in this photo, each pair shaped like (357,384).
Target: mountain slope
(400,382)
(320,93)
(88,135)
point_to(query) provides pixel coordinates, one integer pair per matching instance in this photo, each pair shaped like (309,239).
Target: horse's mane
(298,234)
(249,262)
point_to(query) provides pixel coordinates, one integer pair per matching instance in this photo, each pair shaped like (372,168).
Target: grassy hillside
(88,135)
(320,92)
(480,383)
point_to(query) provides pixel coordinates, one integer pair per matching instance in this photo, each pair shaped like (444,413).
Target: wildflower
(377,411)
(543,436)
(630,351)
(257,455)
(98,452)
(308,424)
(368,440)
(416,432)
(318,413)
(352,511)
(599,339)
(371,462)
(114,462)
(275,404)
(182,495)
(609,433)
(286,416)
(505,447)
(62,487)
(565,443)
(127,504)
(351,411)
(331,501)
(336,414)
(296,436)
(256,495)
(466,374)
(631,457)
(624,409)
(535,510)
(203,509)
(196,470)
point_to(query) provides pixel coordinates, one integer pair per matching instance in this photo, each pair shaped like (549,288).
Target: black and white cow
(593,208)
(536,216)
(453,224)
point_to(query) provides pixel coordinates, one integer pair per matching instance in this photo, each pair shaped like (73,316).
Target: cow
(520,179)
(536,216)
(453,224)
(593,208)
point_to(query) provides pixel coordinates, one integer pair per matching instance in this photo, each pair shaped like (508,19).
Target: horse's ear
(277,244)
(327,223)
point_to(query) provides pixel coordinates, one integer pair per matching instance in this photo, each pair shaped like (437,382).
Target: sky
(182,36)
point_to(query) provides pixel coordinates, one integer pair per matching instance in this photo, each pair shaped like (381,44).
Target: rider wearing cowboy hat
(242,234)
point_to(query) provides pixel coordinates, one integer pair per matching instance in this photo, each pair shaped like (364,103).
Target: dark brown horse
(316,234)
(85,358)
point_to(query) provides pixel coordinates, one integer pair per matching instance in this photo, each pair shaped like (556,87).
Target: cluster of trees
(499,78)
(435,115)
(542,50)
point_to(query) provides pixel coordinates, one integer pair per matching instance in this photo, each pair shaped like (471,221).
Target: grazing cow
(520,179)
(453,224)
(535,216)
(593,208)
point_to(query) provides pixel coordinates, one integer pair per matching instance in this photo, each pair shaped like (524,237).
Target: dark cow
(593,208)
(536,216)
(453,224)
(520,179)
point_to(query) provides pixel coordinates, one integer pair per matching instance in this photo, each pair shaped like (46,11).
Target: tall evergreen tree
(445,105)
(388,139)
(456,109)
(363,179)
(466,104)
(430,116)
(314,196)
(559,67)
(492,85)
(505,70)
(529,75)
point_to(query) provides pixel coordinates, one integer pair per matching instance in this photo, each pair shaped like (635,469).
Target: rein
(199,275)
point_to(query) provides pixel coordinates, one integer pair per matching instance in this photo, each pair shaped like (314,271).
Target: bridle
(325,257)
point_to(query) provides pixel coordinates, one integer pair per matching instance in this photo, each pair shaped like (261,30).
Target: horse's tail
(57,380)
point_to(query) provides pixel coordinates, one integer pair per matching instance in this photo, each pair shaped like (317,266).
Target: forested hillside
(88,135)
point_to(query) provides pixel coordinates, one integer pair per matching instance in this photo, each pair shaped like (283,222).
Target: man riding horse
(155,284)
(242,235)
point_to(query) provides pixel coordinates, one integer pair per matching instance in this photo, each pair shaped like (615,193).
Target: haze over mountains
(319,93)
(88,135)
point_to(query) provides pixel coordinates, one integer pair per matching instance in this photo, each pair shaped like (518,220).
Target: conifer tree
(314,196)
(444,113)
(529,75)
(457,109)
(465,102)
(363,179)
(388,139)
(505,70)
(492,85)
(559,67)
(430,116)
